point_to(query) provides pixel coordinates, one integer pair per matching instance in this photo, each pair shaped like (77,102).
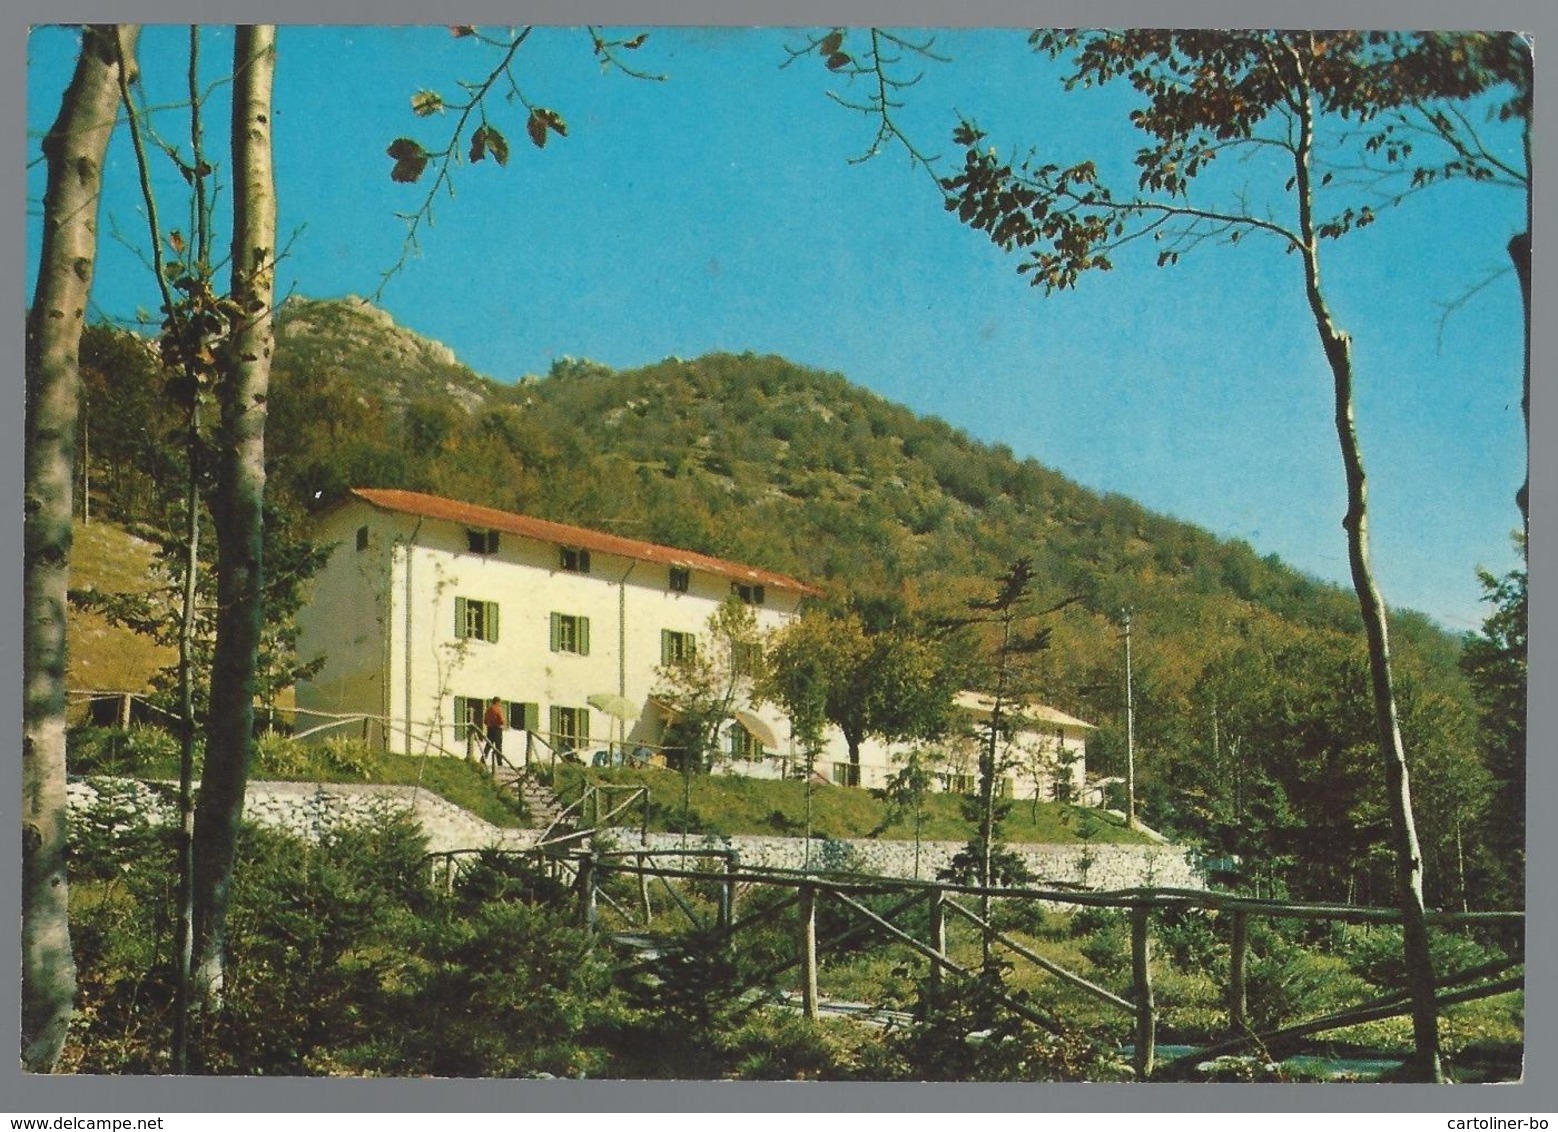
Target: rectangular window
(751,595)
(570,728)
(744,744)
(481,542)
(570,634)
(846,774)
(681,579)
(468,730)
(362,538)
(467,713)
(957,783)
(575,561)
(475,620)
(676,647)
(524,716)
(746,658)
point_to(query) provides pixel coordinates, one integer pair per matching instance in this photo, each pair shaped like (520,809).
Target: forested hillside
(1252,722)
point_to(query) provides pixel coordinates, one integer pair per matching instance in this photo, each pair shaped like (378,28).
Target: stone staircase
(545,809)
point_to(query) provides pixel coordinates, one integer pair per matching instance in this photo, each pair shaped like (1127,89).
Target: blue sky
(720,210)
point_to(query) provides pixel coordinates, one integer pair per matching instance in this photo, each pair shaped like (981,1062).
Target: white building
(1043,752)
(427,608)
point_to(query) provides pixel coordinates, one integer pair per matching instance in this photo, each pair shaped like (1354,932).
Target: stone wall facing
(307,808)
(1101,868)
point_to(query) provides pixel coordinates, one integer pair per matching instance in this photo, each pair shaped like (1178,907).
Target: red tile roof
(542,530)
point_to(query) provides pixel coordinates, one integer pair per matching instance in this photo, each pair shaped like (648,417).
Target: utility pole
(1130,730)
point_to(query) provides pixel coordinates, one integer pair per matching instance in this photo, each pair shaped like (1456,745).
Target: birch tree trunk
(74,150)
(1408,852)
(237,509)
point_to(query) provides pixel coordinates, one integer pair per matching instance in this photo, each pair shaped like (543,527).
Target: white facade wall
(347,621)
(383,614)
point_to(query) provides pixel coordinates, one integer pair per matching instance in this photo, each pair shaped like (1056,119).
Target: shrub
(963,1031)
(507,991)
(115,831)
(1007,868)
(1286,982)
(336,759)
(1106,938)
(1027,916)
(1188,937)
(831,855)
(1376,954)
(349,758)
(277,756)
(786,1047)
(137,750)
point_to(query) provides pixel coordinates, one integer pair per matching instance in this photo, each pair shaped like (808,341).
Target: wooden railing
(588,870)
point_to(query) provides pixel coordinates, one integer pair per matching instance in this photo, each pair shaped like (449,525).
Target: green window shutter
(583,716)
(556,721)
(557,632)
(492,620)
(532,717)
(584,561)
(584,636)
(461,714)
(665,646)
(459,618)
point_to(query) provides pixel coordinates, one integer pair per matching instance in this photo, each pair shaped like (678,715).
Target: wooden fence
(587,871)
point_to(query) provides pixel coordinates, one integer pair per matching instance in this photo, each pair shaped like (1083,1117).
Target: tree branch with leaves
(1204,95)
(475,134)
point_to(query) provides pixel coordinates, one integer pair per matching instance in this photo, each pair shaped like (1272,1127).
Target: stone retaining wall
(306,808)
(1098,867)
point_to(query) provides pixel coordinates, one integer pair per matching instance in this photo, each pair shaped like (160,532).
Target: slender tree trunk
(238,508)
(184,934)
(184,938)
(74,149)
(1408,853)
(1520,256)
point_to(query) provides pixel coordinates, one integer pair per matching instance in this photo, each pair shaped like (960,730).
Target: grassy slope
(729,805)
(105,657)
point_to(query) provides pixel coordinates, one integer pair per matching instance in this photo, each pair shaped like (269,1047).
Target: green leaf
(425,103)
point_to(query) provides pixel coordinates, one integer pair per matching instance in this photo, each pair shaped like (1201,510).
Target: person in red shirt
(494,722)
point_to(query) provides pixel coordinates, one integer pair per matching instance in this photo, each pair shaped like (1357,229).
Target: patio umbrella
(617,706)
(759,727)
